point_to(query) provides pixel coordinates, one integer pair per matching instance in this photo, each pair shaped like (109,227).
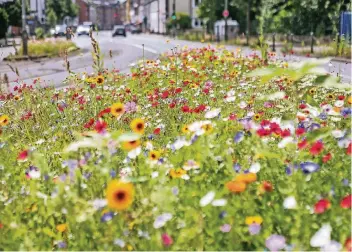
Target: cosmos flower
(254,228)
(225,228)
(23,155)
(100,126)
(119,195)
(167,240)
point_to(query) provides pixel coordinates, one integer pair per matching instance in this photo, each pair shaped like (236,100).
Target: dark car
(119,30)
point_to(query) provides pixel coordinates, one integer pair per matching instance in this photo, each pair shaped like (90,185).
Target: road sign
(225,13)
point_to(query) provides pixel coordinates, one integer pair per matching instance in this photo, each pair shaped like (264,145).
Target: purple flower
(254,229)
(222,214)
(61,244)
(130,107)
(238,137)
(71,163)
(107,217)
(225,228)
(309,167)
(346,112)
(288,170)
(345,182)
(236,167)
(113,173)
(275,242)
(175,190)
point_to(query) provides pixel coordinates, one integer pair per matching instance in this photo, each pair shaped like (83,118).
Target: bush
(49,48)
(3,22)
(39,33)
(183,22)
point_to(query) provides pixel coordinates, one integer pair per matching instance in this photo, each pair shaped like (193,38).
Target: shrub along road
(125,51)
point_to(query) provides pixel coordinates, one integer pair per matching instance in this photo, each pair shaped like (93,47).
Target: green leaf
(318,134)
(48,232)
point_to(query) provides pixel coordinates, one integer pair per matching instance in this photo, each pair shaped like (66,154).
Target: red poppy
(267,186)
(285,133)
(89,124)
(206,91)
(165,95)
(300,131)
(303,144)
(172,105)
(104,111)
(327,157)
(263,132)
(316,148)
(302,106)
(100,126)
(348,244)
(157,131)
(321,206)
(178,90)
(341,97)
(346,201)
(23,155)
(349,149)
(185,109)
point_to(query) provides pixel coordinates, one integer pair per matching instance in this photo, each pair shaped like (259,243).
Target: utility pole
(174,17)
(226,9)
(24,31)
(158,17)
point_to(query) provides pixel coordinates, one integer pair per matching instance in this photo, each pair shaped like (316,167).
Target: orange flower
(246,178)
(61,227)
(235,186)
(178,173)
(119,194)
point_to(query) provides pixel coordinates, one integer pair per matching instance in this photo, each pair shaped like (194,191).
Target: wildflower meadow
(201,149)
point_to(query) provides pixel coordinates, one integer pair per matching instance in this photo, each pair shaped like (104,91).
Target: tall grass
(49,47)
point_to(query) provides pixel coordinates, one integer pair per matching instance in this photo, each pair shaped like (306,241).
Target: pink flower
(167,240)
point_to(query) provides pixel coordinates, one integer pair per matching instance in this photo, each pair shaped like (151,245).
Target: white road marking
(145,48)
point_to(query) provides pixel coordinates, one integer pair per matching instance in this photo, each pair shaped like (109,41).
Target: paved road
(125,51)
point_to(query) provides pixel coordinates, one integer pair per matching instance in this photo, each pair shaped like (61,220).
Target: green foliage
(49,48)
(61,8)
(39,33)
(51,18)
(183,21)
(4,19)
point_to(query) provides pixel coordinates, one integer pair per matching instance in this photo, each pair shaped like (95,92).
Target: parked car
(136,30)
(83,30)
(119,30)
(60,31)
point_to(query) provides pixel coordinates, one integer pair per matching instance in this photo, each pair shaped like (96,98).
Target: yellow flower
(254,220)
(61,227)
(117,109)
(4,120)
(100,79)
(257,117)
(119,195)
(154,155)
(178,173)
(185,129)
(129,247)
(350,100)
(208,128)
(137,125)
(331,96)
(16,97)
(312,91)
(131,145)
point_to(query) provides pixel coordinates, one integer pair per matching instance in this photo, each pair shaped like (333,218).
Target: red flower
(167,240)
(165,94)
(263,132)
(267,186)
(266,122)
(316,148)
(232,117)
(302,106)
(327,157)
(178,90)
(23,155)
(206,91)
(157,131)
(348,244)
(349,149)
(346,201)
(89,124)
(321,206)
(185,109)
(300,131)
(303,144)
(100,126)
(341,97)
(285,133)
(155,104)
(103,112)
(274,127)
(172,105)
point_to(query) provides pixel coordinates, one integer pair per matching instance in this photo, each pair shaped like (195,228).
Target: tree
(62,8)
(51,18)
(14,12)
(183,21)
(4,19)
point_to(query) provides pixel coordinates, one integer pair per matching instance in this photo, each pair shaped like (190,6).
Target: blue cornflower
(309,167)
(238,137)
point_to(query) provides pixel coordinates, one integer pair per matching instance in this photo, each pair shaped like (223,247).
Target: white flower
(284,142)
(149,145)
(339,104)
(321,237)
(134,153)
(119,243)
(34,174)
(230,98)
(179,143)
(243,104)
(332,246)
(155,174)
(161,220)
(207,199)
(190,164)
(219,202)
(99,203)
(254,168)
(212,113)
(290,202)
(338,133)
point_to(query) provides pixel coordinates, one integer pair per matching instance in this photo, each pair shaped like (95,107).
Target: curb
(344,60)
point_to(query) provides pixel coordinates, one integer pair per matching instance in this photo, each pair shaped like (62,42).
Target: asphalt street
(125,51)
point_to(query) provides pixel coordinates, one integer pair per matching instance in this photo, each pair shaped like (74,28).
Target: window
(197,2)
(196,22)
